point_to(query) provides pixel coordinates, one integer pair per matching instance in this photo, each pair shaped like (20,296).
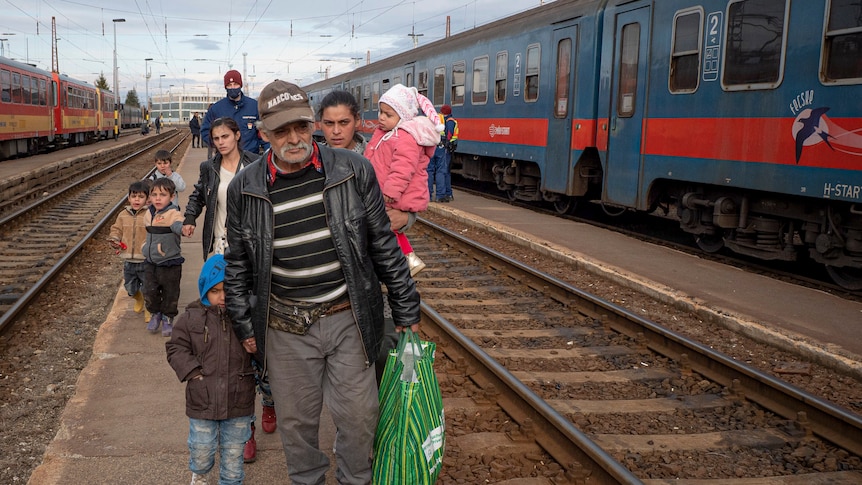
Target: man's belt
(298,317)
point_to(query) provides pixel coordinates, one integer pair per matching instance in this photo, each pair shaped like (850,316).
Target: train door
(627,106)
(558,163)
(57,104)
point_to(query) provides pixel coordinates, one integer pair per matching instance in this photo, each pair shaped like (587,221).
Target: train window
(480,80)
(422,85)
(408,79)
(5,86)
(43,92)
(366,98)
(396,80)
(357,93)
(754,44)
(459,79)
(564,77)
(16,88)
(386,85)
(501,70)
(532,78)
(685,58)
(375,94)
(842,43)
(628,68)
(439,85)
(25,89)
(34,91)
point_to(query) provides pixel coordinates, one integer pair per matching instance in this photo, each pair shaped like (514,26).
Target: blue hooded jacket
(211,274)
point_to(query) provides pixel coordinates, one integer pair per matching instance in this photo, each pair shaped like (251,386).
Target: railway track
(609,396)
(41,234)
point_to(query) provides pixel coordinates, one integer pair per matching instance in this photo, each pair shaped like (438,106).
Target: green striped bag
(409,445)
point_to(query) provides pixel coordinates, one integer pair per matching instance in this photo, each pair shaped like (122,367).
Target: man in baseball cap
(302,284)
(241,108)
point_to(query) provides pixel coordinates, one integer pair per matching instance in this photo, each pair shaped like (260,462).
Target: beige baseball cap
(281,103)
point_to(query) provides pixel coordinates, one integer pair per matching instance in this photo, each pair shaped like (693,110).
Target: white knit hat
(403,100)
(407,102)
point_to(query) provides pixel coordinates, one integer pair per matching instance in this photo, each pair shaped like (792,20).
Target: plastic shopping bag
(409,445)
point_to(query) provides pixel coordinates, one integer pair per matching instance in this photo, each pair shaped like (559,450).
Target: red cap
(446,109)
(232,76)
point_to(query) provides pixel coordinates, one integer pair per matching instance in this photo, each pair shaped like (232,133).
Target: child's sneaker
(155,321)
(147,315)
(199,479)
(415,264)
(167,326)
(139,302)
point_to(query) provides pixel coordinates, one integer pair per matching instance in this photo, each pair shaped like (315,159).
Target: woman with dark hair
(211,192)
(339,119)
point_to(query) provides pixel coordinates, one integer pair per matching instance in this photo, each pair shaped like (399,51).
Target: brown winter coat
(203,343)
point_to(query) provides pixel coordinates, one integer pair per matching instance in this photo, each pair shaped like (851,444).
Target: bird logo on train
(812,127)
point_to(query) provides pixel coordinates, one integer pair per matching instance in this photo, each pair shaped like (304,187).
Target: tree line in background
(131,96)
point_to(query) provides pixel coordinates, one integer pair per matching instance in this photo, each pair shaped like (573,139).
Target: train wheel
(511,195)
(566,205)
(710,243)
(848,278)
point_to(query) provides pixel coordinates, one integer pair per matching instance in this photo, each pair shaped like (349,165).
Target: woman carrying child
(399,150)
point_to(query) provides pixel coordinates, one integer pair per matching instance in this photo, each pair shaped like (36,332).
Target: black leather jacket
(206,195)
(364,242)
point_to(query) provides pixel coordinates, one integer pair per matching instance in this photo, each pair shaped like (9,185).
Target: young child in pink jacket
(399,150)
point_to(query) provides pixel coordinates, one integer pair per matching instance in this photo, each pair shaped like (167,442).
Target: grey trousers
(325,366)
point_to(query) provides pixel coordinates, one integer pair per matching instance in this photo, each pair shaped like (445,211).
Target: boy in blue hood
(220,387)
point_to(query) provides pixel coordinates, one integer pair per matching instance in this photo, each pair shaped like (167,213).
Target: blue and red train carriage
(41,110)
(739,117)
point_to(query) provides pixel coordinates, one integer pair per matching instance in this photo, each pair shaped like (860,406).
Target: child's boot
(147,315)
(154,322)
(249,454)
(416,265)
(167,326)
(139,302)
(267,419)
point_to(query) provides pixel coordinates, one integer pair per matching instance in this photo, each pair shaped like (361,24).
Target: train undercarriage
(757,224)
(775,227)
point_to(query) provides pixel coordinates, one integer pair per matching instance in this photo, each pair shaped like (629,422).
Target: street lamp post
(116,84)
(147,84)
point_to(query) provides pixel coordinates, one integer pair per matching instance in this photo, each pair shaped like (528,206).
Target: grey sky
(194,42)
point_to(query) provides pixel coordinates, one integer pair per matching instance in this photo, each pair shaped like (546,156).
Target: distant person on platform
(439,168)
(158,124)
(195,128)
(242,109)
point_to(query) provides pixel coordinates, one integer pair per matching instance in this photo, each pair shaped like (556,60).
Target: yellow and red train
(41,110)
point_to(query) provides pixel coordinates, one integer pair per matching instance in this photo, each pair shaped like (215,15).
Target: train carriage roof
(23,67)
(553,13)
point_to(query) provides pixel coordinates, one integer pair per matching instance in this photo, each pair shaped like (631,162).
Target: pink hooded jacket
(400,158)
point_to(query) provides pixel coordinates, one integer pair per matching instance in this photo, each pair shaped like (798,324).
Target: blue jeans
(133,277)
(228,436)
(438,173)
(262,384)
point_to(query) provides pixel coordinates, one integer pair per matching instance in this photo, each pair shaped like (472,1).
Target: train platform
(126,422)
(823,325)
